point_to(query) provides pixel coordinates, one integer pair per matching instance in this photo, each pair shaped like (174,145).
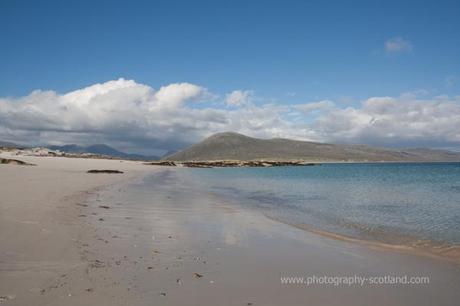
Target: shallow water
(178,227)
(395,203)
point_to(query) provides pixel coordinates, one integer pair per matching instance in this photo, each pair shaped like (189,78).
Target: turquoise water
(386,202)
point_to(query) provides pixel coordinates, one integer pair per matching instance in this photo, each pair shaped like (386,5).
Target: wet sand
(79,239)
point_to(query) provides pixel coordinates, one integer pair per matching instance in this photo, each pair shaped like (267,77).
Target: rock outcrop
(14,162)
(231,163)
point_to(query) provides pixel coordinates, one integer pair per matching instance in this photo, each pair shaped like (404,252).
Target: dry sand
(72,238)
(38,225)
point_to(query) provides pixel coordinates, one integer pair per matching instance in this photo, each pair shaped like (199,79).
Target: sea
(398,203)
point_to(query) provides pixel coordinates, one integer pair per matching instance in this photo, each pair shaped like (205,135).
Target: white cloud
(127,114)
(315,106)
(398,45)
(404,120)
(113,111)
(239,97)
(174,95)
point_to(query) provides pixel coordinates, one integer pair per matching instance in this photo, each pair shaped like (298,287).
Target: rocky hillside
(234,146)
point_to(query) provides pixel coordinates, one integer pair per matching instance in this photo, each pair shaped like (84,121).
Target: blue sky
(316,49)
(282,52)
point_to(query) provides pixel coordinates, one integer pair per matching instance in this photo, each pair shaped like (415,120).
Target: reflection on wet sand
(178,244)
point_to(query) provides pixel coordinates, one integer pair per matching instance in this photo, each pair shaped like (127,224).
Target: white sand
(37,223)
(58,246)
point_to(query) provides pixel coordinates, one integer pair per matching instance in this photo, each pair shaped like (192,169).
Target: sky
(154,76)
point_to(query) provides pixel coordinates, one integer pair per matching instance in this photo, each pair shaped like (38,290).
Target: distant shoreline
(271,163)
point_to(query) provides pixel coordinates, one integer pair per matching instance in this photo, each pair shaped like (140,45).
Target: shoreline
(261,163)
(200,233)
(151,244)
(401,243)
(450,253)
(417,247)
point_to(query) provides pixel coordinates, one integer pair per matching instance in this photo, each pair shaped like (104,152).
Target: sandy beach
(72,238)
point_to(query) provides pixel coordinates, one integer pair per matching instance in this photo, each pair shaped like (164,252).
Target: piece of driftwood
(105,171)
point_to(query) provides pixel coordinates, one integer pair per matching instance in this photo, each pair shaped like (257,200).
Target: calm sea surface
(385,202)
